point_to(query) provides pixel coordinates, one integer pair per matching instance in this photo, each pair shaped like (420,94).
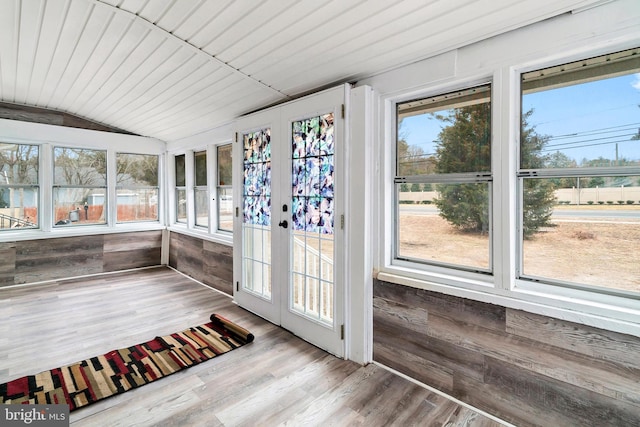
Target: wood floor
(276,380)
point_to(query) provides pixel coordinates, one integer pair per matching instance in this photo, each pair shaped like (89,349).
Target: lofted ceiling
(170,69)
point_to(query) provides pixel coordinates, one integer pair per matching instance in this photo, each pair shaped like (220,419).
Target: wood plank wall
(48,259)
(210,263)
(527,369)
(25,113)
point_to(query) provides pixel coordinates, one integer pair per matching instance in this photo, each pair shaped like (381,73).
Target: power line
(589,140)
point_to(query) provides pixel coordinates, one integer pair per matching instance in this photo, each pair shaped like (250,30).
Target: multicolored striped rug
(117,371)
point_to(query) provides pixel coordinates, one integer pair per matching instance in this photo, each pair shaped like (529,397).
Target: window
(579,174)
(18,186)
(443,180)
(136,187)
(181,189)
(224,189)
(200,191)
(80,186)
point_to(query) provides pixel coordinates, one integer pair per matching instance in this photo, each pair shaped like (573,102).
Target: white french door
(288,261)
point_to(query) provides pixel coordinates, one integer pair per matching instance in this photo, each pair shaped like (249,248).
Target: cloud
(636,82)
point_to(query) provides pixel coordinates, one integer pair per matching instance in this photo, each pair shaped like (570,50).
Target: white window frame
(449,275)
(37,186)
(199,188)
(211,231)
(49,136)
(476,177)
(217,187)
(138,187)
(612,312)
(175,188)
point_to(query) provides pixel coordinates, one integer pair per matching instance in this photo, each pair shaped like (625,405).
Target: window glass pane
(78,167)
(181,205)
(134,201)
(593,233)
(180,172)
(202,207)
(78,206)
(201,168)
(18,164)
(224,165)
(225,209)
(445,224)
(139,204)
(582,114)
(450,133)
(18,186)
(137,170)
(18,207)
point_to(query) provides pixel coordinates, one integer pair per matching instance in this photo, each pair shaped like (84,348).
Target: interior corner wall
(208,262)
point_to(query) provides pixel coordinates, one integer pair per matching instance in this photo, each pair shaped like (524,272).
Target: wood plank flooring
(276,380)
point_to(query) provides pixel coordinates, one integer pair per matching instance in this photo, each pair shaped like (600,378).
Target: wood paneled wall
(210,263)
(48,259)
(527,369)
(25,113)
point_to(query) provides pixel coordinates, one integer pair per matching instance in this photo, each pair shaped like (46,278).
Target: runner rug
(117,371)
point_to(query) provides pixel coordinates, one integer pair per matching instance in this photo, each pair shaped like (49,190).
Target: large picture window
(579,174)
(80,186)
(19,190)
(443,180)
(137,187)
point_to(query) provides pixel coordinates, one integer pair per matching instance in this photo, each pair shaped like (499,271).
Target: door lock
(283,224)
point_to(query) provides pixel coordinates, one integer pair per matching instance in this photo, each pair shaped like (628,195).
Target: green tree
(538,194)
(415,187)
(465,146)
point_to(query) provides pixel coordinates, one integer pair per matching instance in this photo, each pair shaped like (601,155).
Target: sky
(583,121)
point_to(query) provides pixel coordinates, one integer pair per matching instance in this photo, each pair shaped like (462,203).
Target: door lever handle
(283,224)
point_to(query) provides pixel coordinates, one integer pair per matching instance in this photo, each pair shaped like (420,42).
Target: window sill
(75,231)
(605,314)
(222,238)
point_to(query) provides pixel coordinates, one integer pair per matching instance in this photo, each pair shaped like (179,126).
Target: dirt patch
(604,254)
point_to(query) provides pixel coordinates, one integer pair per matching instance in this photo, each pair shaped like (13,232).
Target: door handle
(283,224)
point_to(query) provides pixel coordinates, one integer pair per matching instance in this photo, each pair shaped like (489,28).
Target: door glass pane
(312,217)
(256,213)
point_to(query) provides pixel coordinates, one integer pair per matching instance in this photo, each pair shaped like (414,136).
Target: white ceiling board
(154,56)
(306,32)
(168,92)
(29,37)
(254,24)
(196,24)
(9,46)
(84,50)
(173,68)
(179,97)
(174,17)
(151,84)
(73,25)
(224,21)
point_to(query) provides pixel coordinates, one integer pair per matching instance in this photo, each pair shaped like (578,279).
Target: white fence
(574,196)
(313,291)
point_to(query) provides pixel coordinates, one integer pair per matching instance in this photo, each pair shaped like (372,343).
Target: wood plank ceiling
(170,69)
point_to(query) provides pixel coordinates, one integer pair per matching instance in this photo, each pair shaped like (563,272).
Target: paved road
(560,214)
